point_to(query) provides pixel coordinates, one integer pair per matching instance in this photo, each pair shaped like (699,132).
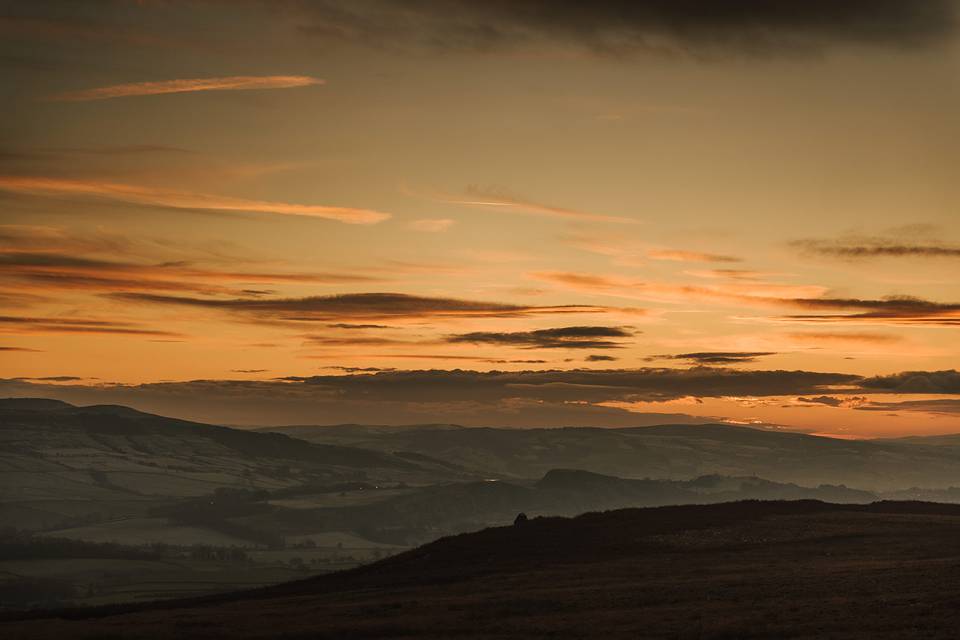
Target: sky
(509,213)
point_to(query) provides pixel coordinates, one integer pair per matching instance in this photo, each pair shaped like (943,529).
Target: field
(738,570)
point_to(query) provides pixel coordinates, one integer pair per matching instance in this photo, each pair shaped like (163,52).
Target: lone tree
(520,519)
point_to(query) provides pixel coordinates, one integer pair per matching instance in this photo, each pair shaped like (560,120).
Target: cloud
(496,200)
(892,310)
(231,83)
(834,401)
(170,199)
(372,306)
(897,310)
(746,292)
(947,381)
(47,325)
(19,349)
(599,358)
(494,398)
(59,270)
(558,338)
(431,225)
(248,370)
(731,274)
(944,407)
(718,357)
(53,379)
(835,337)
(360,341)
(876,247)
(689,256)
(581,385)
(705,28)
(346,325)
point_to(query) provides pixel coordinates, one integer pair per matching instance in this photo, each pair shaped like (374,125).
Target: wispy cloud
(730,274)
(764,293)
(370,306)
(499,201)
(231,83)
(172,199)
(867,247)
(626,252)
(891,310)
(72,325)
(56,270)
(431,225)
(717,357)
(829,337)
(941,407)
(558,338)
(677,255)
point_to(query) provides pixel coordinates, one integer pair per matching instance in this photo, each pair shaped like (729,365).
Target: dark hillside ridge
(743,569)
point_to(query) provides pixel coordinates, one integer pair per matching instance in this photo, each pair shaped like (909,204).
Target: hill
(802,569)
(677,452)
(62,464)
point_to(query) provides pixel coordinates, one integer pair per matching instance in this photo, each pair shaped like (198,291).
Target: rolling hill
(59,462)
(676,452)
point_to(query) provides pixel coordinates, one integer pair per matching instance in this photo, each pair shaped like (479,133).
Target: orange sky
(483,189)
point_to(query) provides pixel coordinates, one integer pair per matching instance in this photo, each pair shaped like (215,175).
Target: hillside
(62,463)
(735,570)
(677,452)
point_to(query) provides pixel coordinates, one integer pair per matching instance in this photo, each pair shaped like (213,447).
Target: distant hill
(61,462)
(677,452)
(803,569)
(947,440)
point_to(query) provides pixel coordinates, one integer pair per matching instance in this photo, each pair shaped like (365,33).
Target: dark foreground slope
(737,570)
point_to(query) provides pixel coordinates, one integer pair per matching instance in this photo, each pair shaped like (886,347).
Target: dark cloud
(947,381)
(830,401)
(346,325)
(620,27)
(558,338)
(891,310)
(248,370)
(20,349)
(62,270)
(358,305)
(41,325)
(584,385)
(717,357)
(526,398)
(598,358)
(53,379)
(948,407)
(865,248)
(834,401)
(493,398)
